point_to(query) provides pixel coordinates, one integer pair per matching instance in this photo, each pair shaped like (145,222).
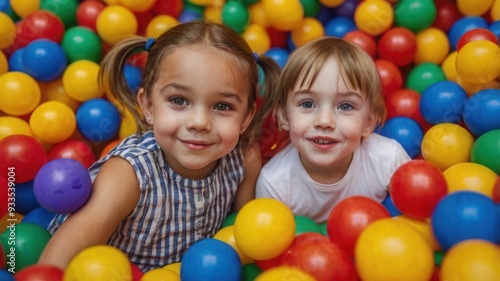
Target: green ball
(424,75)
(25,243)
(229,220)
(188,6)
(323,229)
(311,7)
(65,9)
(304,224)
(416,15)
(236,16)
(486,150)
(81,43)
(438,258)
(250,272)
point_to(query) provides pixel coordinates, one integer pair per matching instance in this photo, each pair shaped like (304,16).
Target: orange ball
(374,16)
(115,23)
(309,30)
(432,46)
(257,38)
(283,15)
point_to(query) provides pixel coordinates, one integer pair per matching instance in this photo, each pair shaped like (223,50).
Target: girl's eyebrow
(350,93)
(184,88)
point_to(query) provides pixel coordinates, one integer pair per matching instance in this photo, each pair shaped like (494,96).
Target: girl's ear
(146,105)
(370,125)
(282,119)
(248,118)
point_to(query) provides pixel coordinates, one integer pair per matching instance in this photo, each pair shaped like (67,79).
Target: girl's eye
(307,104)
(222,107)
(178,101)
(346,107)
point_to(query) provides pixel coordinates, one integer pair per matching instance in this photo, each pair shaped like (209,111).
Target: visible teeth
(323,141)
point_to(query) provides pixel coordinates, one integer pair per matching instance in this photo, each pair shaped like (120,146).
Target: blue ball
(211,260)
(16,61)
(443,102)
(346,9)
(389,206)
(463,25)
(25,198)
(44,60)
(482,112)
(495,28)
(325,14)
(133,76)
(6,276)
(289,42)
(98,120)
(189,16)
(463,215)
(279,55)
(39,216)
(406,131)
(339,26)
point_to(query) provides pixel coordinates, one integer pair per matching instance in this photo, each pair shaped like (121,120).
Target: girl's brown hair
(221,37)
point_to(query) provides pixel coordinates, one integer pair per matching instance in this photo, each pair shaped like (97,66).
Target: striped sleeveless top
(173,212)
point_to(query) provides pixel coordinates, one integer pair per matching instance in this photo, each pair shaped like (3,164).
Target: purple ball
(62,185)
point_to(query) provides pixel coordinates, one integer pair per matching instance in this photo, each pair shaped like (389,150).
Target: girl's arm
(115,193)
(246,190)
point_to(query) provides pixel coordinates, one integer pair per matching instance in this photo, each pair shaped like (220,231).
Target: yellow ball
(159,25)
(391,242)
(448,67)
(175,267)
(19,93)
(4,64)
(374,16)
(258,14)
(52,122)
(258,38)
(24,7)
(471,260)
(432,46)
(447,144)
(283,15)
(473,7)
(10,125)
(423,227)
(284,273)
(470,176)
(7,31)
(479,61)
(332,3)
(226,234)
(128,125)
(54,91)
(495,10)
(472,88)
(264,228)
(213,13)
(160,274)
(80,80)
(115,23)
(138,6)
(99,263)
(309,30)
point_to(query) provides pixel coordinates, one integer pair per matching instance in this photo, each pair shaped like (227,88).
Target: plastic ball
(98,120)
(304,224)
(108,147)
(73,149)
(473,8)
(346,9)
(447,14)
(339,26)
(30,240)
(7,31)
(250,272)
(40,272)
(160,24)
(423,227)
(25,154)
(472,88)
(257,38)
(486,150)
(478,61)
(65,10)
(309,29)
(81,43)
(447,144)
(226,234)
(6,275)
(390,76)
(495,11)
(470,176)
(390,207)
(475,35)
(160,274)
(80,80)
(87,13)
(44,60)
(99,263)
(39,216)
(331,3)
(363,40)
(406,131)
(172,8)
(54,91)
(10,125)
(264,228)
(236,16)
(285,273)
(449,67)
(24,8)
(423,75)
(4,64)
(128,125)
(462,25)
(19,93)
(374,16)
(210,260)
(115,23)
(405,102)
(311,7)
(189,16)
(443,102)
(138,6)
(15,63)
(432,46)
(279,55)
(397,45)
(175,267)
(350,217)
(481,112)
(398,244)
(464,215)
(416,15)
(52,122)
(416,187)
(62,185)
(25,198)
(283,15)
(258,15)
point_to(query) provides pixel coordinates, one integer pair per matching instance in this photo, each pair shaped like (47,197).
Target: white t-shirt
(285,179)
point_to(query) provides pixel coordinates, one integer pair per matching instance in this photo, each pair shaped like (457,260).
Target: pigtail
(112,79)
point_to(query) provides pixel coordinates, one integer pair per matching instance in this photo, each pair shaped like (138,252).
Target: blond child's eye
(222,107)
(307,104)
(346,107)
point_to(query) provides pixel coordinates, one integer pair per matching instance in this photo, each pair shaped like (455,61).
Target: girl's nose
(324,119)
(199,120)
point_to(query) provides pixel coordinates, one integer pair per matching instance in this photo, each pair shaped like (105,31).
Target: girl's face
(198,108)
(327,122)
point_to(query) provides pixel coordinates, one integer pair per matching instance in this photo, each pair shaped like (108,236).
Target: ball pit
(50,51)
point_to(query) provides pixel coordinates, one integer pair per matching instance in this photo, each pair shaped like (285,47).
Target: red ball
(405,102)
(317,255)
(136,272)
(168,7)
(73,149)
(87,13)
(278,38)
(398,45)
(476,34)
(496,191)
(37,25)
(447,14)
(4,195)
(362,39)
(3,261)
(38,272)
(390,76)
(350,217)
(416,187)
(143,19)
(23,155)
(268,264)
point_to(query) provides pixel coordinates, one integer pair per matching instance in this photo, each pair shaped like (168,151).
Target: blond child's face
(198,108)
(327,122)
